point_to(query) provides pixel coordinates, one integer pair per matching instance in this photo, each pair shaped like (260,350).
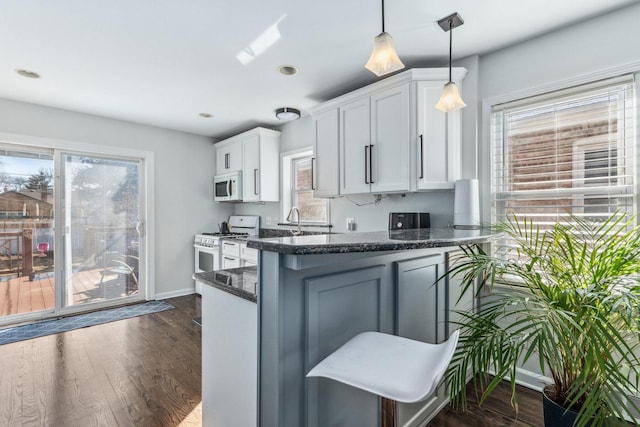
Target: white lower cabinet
(229,359)
(248,256)
(230,254)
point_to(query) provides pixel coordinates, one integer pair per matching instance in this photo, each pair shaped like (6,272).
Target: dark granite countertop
(396,240)
(241,282)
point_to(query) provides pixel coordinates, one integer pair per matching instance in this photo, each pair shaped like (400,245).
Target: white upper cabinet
(251,169)
(257,154)
(389,152)
(438,140)
(326,151)
(355,146)
(228,158)
(390,139)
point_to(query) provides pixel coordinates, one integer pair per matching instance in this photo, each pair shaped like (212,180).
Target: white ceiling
(162,62)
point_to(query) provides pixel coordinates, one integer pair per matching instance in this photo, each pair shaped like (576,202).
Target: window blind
(566,152)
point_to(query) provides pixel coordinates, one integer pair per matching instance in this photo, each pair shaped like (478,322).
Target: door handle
(255,182)
(366,165)
(371,164)
(313,184)
(421,158)
(140,228)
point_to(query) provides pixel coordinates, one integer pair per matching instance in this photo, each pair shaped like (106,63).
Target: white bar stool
(395,368)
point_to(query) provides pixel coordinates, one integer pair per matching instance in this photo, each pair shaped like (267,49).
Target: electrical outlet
(351,224)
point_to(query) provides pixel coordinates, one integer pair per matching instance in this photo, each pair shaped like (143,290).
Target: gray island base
(317,292)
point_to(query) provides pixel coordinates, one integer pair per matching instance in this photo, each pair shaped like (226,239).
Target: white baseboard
(173,294)
(530,379)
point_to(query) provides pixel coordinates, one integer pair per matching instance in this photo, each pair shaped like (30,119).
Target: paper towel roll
(466,204)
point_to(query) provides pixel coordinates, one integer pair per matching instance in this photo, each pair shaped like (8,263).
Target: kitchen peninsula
(316,292)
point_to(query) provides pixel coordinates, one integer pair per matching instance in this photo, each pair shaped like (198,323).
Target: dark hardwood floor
(143,371)
(496,411)
(146,371)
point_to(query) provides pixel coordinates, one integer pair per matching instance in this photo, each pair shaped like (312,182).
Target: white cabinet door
(230,374)
(326,149)
(355,147)
(230,262)
(390,140)
(228,157)
(438,142)
(251,169)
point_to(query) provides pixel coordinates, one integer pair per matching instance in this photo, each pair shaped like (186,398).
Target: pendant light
(450,99)
(383,59)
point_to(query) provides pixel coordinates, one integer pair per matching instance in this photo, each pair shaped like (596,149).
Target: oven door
(206,259)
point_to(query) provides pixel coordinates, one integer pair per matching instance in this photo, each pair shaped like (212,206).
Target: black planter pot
(554,414)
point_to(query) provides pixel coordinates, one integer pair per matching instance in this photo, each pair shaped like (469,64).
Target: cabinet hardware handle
(229,244)
(226,161)
(313,184)
(371,164)
(366,165)
(255,182)
(421,158)
(229,259)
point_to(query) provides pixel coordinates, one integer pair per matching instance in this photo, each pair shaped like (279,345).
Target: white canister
(466,204)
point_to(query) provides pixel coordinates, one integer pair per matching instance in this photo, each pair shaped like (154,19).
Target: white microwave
(228,187)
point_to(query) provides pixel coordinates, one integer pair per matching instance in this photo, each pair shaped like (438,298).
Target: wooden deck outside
(20,295)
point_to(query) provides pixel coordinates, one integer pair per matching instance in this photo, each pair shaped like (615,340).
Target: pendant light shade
(450,100)
(383,59)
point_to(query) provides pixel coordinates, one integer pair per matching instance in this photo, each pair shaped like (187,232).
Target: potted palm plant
(567,298)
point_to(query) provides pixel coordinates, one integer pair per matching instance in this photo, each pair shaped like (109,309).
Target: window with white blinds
(567,152)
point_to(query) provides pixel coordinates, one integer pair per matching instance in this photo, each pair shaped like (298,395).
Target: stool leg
(387,412)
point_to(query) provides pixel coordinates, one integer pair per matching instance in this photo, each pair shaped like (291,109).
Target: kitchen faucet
(299,232)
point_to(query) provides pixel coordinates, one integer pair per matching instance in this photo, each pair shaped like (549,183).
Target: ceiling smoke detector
(286,113)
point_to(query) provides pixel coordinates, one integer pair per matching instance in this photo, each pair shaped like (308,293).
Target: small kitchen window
(298,191)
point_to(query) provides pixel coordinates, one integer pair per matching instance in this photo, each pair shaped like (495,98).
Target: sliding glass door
(70,232)
(101,205)
(26,232)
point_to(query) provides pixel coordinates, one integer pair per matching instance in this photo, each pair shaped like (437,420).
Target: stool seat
(393,367)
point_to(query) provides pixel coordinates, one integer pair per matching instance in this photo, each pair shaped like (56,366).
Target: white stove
(207,246)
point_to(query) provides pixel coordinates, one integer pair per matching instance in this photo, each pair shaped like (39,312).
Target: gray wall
(183,178)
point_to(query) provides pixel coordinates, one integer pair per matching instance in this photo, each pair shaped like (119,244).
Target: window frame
(489,171)
(288,181)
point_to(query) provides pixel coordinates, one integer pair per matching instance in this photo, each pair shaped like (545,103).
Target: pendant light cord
(383,16)
(450,46)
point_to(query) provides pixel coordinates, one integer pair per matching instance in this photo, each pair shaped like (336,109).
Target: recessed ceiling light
(27,73)
(206,115)
(287,70)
